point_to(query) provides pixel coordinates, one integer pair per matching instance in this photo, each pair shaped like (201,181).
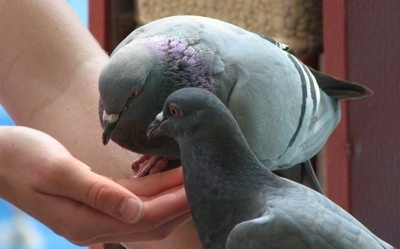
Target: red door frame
(336,158)
(99,22)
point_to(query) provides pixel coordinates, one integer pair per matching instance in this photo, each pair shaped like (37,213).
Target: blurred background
(17,229)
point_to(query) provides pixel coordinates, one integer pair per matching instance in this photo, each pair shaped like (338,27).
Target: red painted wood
(374,123)
(336,156)
(99,21)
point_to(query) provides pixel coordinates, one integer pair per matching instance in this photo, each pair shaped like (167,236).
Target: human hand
(38,175)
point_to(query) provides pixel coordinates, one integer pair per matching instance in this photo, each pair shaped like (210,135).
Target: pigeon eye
(134,93)
(174,111)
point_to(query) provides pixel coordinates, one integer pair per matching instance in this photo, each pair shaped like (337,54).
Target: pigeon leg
(136,165)
(311,174)
(159,165)
(147,165)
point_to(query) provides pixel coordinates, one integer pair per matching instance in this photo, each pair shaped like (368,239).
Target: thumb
(75,180)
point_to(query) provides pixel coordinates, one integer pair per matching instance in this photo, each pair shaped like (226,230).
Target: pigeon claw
(147,165)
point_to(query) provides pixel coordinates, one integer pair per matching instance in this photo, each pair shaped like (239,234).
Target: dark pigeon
(285,109)
(236,202)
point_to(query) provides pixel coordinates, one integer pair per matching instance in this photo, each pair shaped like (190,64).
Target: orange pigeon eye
(174,111)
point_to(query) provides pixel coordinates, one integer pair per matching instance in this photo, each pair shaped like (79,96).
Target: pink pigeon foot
(147,165)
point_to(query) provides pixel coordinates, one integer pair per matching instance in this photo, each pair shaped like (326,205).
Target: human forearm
(44,44)
(48,79)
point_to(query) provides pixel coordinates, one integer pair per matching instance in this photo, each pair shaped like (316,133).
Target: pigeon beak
(154,128)
(109,123)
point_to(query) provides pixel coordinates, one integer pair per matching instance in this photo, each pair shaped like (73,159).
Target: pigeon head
(128,101)
(121,80)
(134,84)
(189,109)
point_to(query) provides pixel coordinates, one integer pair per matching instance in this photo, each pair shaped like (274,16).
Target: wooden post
(99,22)
(336,156)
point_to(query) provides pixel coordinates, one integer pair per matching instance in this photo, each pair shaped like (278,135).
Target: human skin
(42,178)
(49,69)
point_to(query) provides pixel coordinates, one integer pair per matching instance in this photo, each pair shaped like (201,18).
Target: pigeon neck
(221,178)
(226,156)
(185,64)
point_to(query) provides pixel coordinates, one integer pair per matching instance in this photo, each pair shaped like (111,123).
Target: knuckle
(95,193)
(51,169)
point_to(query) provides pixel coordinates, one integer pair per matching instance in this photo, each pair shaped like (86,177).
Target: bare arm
(48,80)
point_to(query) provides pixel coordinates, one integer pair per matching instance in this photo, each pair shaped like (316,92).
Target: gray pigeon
(285,109)
(236,202)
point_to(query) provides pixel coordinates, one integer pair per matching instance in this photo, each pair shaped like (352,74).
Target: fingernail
(131,209)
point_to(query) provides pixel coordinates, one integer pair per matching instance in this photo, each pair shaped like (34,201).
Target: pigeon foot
(147,165)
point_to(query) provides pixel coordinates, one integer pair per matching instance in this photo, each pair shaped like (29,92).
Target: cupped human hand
(39,175)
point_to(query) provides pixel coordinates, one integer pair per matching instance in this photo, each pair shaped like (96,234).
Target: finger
(83,224)
(164,208)
(154,184)
(161,216)
(73,180)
